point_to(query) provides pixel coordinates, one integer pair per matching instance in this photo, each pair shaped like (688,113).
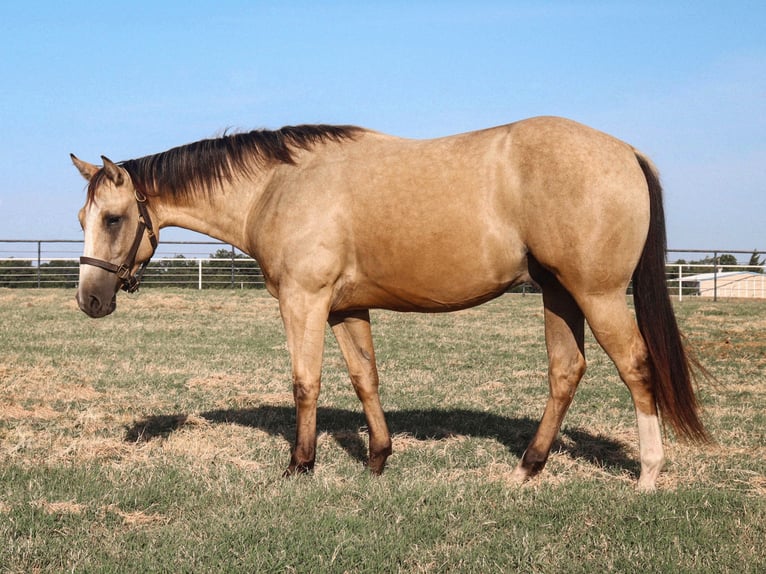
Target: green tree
(756,261)
(61,273)
(14,273)
(176,272)
(231,269)
(706,265)
(727,259)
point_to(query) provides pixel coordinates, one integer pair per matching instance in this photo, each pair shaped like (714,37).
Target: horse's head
(119,237)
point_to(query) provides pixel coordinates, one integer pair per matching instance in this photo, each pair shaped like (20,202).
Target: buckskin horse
(343,219)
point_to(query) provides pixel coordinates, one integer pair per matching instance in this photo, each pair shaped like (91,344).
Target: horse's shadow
(429,424)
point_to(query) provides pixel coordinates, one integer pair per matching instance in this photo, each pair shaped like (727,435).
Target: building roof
(722,275)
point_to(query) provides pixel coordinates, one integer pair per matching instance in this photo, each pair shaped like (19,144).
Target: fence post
(39,259)
(680,282)
(199,274)
(232,266)
(715,276)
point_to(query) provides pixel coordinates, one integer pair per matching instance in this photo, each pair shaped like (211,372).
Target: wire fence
(189,264)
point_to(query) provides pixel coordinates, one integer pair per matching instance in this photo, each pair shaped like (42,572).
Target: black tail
(672,380)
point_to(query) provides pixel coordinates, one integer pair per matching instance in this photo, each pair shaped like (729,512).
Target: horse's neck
(221,214)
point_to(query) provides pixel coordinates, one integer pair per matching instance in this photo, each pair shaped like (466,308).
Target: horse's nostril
(95,304)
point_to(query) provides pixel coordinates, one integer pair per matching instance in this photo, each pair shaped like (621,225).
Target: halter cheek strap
(130,282)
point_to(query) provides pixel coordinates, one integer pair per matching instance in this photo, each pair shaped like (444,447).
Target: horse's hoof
(519,475)
(377,462)
(296,469)
(376,467)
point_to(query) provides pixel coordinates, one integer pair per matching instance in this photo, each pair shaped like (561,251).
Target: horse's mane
(201,167)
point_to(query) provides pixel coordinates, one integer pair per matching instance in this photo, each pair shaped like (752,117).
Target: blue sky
(683,81)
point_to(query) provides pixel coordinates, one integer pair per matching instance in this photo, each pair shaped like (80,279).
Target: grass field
(154,440)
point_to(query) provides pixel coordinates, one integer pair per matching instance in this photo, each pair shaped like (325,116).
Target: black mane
(202,166)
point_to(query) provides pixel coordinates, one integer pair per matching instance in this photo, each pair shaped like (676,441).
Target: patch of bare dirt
(218,381)
(137,517)
(16,412)
(58,508)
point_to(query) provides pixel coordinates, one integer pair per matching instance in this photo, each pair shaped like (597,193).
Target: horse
(344,219)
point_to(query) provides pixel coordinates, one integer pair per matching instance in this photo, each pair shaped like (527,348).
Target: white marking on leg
(651,452)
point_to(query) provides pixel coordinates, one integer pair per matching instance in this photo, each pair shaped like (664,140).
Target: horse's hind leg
(352,330)
(616,331)
(564,338)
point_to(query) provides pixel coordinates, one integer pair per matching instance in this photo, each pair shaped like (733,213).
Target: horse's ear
(87,170)
(113,172)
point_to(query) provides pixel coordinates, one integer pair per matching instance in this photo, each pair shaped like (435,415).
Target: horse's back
(431,225)
(447,223)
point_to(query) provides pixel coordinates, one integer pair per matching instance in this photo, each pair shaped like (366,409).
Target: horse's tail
(672,373)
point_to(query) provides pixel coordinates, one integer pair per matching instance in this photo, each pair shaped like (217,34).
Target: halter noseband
(130,282)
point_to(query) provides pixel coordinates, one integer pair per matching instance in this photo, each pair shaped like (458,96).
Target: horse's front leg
(304,316)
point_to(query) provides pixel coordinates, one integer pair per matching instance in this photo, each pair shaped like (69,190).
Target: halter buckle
(130,284)
(123,272)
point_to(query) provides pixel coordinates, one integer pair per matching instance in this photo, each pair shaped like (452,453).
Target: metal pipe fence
(186,264)
(55,263)
(163,272)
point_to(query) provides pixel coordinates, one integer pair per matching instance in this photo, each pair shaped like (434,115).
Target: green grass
(154,440)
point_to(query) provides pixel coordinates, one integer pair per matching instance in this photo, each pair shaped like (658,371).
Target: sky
(685,82)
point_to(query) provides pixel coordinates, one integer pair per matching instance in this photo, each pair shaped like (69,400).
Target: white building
(734,284)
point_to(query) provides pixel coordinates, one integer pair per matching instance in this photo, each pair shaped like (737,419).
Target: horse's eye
(112,220)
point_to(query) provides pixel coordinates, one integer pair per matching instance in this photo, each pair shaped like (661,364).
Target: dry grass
(176,413)
(75,406)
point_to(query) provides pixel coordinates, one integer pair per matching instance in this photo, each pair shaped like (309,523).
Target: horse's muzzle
(94,306)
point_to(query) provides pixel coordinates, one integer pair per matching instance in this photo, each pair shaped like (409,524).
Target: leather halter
(130,282)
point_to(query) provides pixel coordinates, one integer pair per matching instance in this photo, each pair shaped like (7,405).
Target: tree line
(727,261)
